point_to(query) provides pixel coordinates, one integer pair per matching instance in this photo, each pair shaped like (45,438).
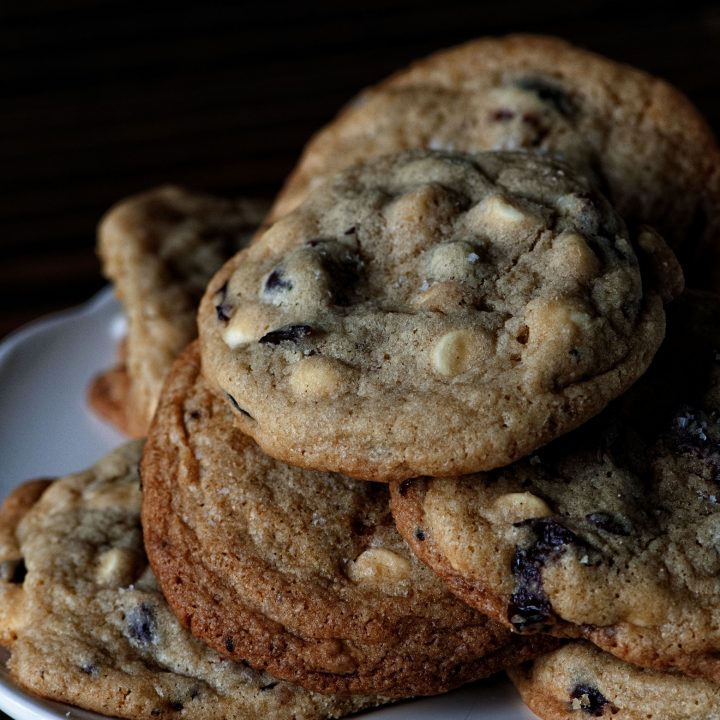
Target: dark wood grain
(101,99)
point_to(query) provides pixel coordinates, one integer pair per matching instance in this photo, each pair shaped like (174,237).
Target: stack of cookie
(424,435)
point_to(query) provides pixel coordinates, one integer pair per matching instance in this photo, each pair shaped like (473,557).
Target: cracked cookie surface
(432,313)
(159,249)
(610,533)
(641,139)
(578,681)
(92,628)
(297,572)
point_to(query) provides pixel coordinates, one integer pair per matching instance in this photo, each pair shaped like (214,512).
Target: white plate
(46,430)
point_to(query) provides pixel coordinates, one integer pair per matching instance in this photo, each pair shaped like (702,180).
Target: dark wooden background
(104,98)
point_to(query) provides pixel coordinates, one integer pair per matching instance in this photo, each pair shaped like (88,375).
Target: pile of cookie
(450,412)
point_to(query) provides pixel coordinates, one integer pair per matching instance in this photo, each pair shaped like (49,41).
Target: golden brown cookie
(299,573)
(609,534)
(433,313)
(92,628)
(578,681)
(159,249)
(650,149)
(12,564)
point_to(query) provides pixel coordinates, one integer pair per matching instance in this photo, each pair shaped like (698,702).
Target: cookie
(159,249)
(433,313)
(639,137)
(94,629)
(12,565)
(579,681)
(299,573)
(610,534)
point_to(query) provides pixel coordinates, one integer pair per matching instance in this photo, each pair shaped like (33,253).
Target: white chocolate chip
(116,567)
(458,351)
(248,324)
(553,321)
(496,211)
(452,261)
(573,258)
(516,506)
(126,496)
(440,297)
(555,327)
(378,566)
(319,377)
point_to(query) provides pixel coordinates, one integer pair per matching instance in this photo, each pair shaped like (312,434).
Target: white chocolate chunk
(318,377)
(452,261)
(451,354)
(551,320)
(248,324)
(116,567)
(572,257)
(377,566)
(125,496)
(516,506)
(496,211)
(440,297)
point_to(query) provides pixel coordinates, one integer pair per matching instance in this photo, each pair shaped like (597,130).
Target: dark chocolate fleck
(614,524)
(501,115)
(13,571)
(541,131)
(141,625)
(235,404)
(289,333)
(176,706)
(550,93)
(419,534)
(592,701)
(277,282)
(194,694)
(359,527)
(350,231)
(222,309)
(405,485)
(155,712)
(269,686)
(229,644)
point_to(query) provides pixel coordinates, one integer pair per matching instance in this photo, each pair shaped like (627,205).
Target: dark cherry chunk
(222,309)
(141,625)
(13,571)
(289,333)
(613,524)
(529,609)
(277,282)
(550,93)
(592,701)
